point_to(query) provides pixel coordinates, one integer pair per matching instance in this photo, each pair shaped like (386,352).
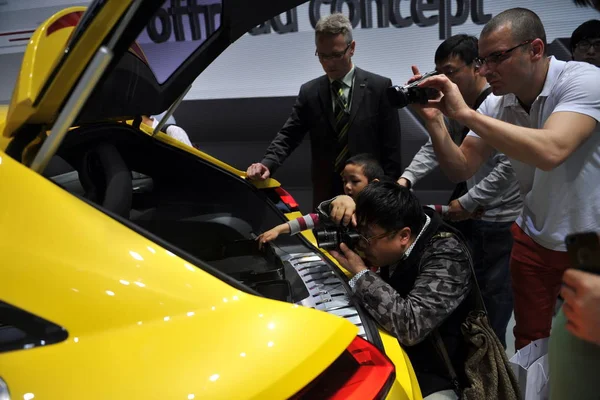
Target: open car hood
(158,48)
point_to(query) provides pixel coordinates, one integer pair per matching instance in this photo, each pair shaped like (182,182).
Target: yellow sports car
(129,267)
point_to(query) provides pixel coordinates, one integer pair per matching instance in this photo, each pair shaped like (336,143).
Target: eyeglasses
(499,56)
(369,239)
(336,55)
(450,71)
(585,45)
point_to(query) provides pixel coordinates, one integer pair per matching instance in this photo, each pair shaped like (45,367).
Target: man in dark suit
(346,112)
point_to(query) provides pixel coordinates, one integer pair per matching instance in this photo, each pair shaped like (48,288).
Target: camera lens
(397,96)
(327,239)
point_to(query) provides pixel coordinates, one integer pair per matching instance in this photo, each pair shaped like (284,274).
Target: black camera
(330,238)
(401,96)
(331,235)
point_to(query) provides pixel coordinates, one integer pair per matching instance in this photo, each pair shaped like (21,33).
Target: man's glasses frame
(498,57)
(449,71)
(369,239)
(333,56)
(584,45)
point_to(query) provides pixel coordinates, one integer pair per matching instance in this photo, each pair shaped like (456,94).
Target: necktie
(342,122)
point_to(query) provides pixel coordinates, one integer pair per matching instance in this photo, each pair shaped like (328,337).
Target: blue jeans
(491,244)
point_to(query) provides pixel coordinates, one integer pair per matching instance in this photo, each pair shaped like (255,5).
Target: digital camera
(331,235)
(330,238)
(401,96)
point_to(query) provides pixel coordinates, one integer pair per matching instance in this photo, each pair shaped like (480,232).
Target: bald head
(524,25)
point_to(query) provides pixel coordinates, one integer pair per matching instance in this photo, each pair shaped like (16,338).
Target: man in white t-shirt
(543,116)
(171,130)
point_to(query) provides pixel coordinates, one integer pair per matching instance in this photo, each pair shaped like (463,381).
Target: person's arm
(272,234)
(442,284)
(544,148)
(422,164)
(425,160)
(390,136)
(178,133)
(290,136)
(458,163)
(490,188)
(573,120)
(308,221)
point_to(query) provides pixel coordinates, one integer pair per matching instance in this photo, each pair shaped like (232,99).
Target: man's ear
(537,47)
(404,234)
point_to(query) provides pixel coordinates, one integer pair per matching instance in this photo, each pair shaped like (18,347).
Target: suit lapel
(326,102)
(358,92)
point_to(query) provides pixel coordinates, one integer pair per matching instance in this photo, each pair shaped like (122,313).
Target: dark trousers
(491,244)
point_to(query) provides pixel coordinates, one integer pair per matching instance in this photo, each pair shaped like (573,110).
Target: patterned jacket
(441,280)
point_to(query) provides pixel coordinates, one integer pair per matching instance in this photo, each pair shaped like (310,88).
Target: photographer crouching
(423,281)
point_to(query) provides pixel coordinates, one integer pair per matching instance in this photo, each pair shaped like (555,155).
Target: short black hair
(588,30)
(525,25)
(463,46)
(370,166)
(390,206)
(588,3)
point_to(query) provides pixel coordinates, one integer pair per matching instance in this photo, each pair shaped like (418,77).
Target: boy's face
(354,180)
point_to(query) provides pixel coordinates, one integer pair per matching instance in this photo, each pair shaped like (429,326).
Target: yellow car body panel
(142,322)
(163,137)
(41,58)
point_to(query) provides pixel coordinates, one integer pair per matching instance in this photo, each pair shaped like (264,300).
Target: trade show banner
(276,57)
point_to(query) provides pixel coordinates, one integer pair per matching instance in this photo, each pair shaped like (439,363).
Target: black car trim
(28,330)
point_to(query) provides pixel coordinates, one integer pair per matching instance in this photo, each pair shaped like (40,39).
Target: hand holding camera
(451,103)
(411,93)
(337,223)
(431,95)
(348,259)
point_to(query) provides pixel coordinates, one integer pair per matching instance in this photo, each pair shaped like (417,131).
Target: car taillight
(287,199)
(361,372)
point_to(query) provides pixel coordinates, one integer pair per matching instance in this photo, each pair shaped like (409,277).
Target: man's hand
(258,171)
(348,259)
(478,213)
(342,210)
(451,103)
(456,212)
(404,182)
(581,292)
(425,111)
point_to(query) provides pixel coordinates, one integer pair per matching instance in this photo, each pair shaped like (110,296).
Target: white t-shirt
(173,131)
(566,199)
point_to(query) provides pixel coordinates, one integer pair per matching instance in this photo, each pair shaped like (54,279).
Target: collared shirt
(567,198)
(348,81)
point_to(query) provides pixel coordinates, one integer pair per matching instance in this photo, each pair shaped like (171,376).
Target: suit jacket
(374,128)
